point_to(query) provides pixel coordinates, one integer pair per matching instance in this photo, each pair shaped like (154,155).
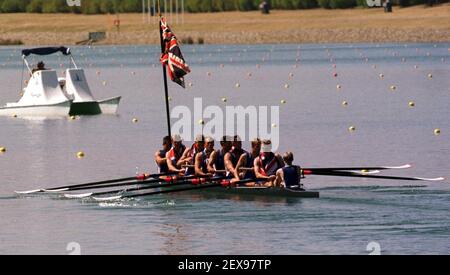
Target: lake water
(403,217)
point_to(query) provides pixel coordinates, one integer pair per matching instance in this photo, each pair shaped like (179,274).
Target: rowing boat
(254,191)
(262,191)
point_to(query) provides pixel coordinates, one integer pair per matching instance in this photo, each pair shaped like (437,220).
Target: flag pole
(164,72)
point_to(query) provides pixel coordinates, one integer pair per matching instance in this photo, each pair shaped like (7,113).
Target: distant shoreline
(412,24)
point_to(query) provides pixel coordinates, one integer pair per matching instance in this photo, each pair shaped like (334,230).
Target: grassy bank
(414,24)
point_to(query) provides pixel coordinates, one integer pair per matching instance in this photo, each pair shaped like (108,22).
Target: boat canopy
(46,51)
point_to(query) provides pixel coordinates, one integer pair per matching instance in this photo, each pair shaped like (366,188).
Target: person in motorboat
(216,164)
(267,163)
(232,157)
(290,175)
(202,158)
(160,155)
(174,155)
(40,67)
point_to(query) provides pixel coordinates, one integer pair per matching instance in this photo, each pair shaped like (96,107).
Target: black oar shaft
(153,186)
(204,186)
(136,178)
(349,174)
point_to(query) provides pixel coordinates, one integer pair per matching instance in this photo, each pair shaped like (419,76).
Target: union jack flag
(172,56)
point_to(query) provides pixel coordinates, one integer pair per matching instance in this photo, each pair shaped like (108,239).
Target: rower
(173,156)
(160,155)
(232,157)
(290,175)
(246,161)
(267,163)
(202,158)
(216,164)
(188,157)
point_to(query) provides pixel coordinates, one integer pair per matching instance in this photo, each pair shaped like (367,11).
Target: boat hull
(261,191)
(50,110)
(85,108)
(106,106)
(109,106)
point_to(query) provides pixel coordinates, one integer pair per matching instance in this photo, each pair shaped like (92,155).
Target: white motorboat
(42,96)
(46,95)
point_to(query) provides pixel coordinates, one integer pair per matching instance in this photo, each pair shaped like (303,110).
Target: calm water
(403,217)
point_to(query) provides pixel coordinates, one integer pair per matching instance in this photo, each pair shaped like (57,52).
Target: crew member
(202,158)
(290,175)
(174,155)
(246,162)
(188,157)
(216,164)
(232,157)
(267,163)
(160,155)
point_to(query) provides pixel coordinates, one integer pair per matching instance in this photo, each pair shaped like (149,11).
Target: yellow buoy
(190,84)
(104,83)
(381,75)
(2,149)
(352,128)
(437,132)
(291,75)
(430,76)
(201,122)
(237,85)
(169,98)
(286,86)
(283,101)
(224,99)
(338,87)
(80,154)
(411,104)
(14,115)
(344,103)
(135,120)
(393,88)
(73,117)
(274,125)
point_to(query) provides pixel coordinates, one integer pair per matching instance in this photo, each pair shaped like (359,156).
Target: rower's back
(291,176)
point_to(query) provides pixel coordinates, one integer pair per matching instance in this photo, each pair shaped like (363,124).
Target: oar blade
(432,179)
(55,190)
(28,192)
(103,199)
(78,196)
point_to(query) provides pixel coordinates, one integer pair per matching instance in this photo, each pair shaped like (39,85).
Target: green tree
(14,5)
(342,4)
(35,6)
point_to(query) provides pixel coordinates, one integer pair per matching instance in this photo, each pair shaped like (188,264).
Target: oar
(143,182)
(69,187)
(223,183)
(194,180)
(350,174)
(360,168)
